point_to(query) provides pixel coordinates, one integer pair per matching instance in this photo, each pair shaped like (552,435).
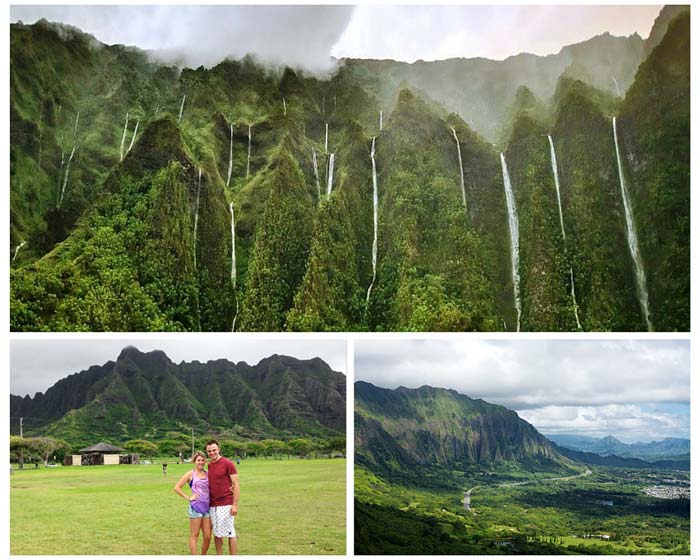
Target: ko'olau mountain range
(544,193)
(146,395)
(437,472)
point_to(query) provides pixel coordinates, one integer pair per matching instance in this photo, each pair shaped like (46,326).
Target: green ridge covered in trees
(116,250)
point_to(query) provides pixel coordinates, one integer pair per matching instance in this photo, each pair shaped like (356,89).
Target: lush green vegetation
(111,244)
(286,507)
(439,473)
(603,513)
(177,445)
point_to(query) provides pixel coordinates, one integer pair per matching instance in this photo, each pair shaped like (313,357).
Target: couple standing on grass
(213,504)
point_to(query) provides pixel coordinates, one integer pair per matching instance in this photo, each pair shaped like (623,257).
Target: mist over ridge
(315,37)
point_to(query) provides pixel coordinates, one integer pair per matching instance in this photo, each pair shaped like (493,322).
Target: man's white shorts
(222,521)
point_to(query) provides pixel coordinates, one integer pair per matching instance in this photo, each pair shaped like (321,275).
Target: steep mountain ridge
(162,249)
(278,396)
(402,428)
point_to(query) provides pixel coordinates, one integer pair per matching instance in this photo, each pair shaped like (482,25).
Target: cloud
(628,423)
(411,33)
(300,36)
(35,365)
(560,385)
(308,36)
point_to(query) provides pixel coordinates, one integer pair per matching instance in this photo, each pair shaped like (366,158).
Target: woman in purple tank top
(198,509)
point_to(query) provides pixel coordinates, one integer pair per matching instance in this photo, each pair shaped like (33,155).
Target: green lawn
(287,507)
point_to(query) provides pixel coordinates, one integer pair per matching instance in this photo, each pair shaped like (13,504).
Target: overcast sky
(633,390)
(35,365)
(309,35)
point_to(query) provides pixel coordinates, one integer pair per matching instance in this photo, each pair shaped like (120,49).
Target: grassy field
(286,507)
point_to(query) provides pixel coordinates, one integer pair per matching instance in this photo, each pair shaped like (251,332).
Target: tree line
(44,449)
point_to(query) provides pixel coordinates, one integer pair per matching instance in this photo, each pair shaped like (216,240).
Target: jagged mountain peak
(154,357)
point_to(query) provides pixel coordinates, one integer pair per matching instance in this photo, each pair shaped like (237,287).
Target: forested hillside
(146,197)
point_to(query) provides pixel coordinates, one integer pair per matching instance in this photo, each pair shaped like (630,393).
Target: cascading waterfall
(230,155)
(196,216)
(514,239)
(315,162)
(331,162)
(133,137)
(617,87)
(65,177)
(461,169)
(555,172)
(233,262)
(335,103)
(247,167)
(17,249)
(233,245)
(284,106)
(121,146)
(60,172)
(325,149)
(70,158)
(375,203)
(381,121)
(182,107)
(323,105)
(632,238)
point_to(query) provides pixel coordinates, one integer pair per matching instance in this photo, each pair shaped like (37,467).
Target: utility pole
(21,435)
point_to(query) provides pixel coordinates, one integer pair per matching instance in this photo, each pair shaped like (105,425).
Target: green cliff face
(109,235)
(406,428)
(654,126)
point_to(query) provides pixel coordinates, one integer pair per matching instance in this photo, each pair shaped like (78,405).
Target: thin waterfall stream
(314,159)
(461,169)
(632,242)
(121,146)
(17,250)
(514,239)
(133,137)
(555,172)
(233,263)
(196,216)
(230,155)
(182,108)
(247,167)
(331,163)
(375,204)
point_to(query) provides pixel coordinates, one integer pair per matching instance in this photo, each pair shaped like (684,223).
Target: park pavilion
(100,454)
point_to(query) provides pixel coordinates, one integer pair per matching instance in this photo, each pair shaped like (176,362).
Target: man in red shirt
(223,498)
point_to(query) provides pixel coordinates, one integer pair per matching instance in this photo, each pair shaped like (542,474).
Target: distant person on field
(198,509)
(165,469)
(224,491)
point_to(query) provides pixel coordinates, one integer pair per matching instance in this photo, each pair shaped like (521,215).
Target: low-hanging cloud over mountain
(298,36)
